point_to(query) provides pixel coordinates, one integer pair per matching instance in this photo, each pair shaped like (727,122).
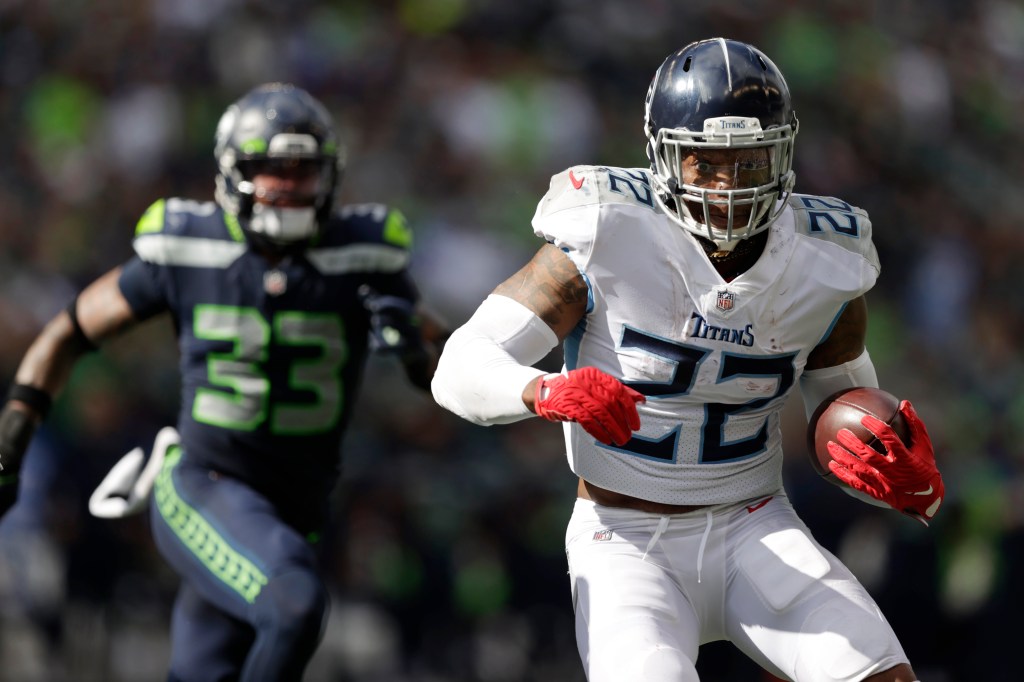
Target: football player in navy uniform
(277,296)
(690,298)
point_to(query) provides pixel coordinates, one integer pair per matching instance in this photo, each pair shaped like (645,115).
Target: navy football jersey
(271,355)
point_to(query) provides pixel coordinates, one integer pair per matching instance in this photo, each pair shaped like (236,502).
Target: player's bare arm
(550,286)
(846,342)
(102,311)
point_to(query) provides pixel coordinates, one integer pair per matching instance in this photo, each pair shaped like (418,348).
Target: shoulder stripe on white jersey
(196,252)
(340,260)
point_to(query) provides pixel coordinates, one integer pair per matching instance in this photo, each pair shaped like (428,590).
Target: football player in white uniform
(690,299)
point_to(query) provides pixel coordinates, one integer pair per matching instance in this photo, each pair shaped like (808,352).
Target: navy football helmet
(720,94)
(277,128)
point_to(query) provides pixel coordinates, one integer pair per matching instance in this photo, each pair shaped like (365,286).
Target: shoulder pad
(586,202)
(371,238)
(181,216)
(376,223)
(187,233)
(842,233)
(833,220)
(593,185)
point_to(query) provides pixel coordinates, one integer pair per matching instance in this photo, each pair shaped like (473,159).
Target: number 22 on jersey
(687,360)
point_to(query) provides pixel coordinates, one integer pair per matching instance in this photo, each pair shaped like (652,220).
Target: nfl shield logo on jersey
(275,282)
(726,300)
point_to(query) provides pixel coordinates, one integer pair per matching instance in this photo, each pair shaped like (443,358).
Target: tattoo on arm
(550,286)
(846,342)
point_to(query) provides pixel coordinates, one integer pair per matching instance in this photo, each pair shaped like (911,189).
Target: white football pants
(648,590)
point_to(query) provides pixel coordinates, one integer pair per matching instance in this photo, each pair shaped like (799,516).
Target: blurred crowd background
(446,558)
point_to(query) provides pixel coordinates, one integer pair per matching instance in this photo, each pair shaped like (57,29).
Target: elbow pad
(486,362)
(818,384)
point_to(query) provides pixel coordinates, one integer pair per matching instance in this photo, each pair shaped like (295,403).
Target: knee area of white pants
(657,663)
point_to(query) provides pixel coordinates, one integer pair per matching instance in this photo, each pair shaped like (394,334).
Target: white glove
(125,489)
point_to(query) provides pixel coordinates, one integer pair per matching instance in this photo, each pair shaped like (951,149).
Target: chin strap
(283,224)
(724,248)
(722,252)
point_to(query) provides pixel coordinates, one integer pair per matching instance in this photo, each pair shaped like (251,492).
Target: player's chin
(739,221)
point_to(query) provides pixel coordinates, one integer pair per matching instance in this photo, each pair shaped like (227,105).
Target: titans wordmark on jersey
(715,359)
(271,355)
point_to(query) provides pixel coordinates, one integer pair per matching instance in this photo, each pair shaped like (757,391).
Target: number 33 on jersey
(270,352)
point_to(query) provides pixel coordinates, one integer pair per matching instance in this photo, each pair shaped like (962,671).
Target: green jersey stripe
(219,557)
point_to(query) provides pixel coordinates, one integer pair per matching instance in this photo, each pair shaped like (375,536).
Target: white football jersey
(715,359)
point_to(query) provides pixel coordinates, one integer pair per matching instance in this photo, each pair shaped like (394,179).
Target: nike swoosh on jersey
(576,182)
(754,507)
(924,492)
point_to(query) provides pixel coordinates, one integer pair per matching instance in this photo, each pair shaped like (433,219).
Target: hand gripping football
(844,410)
(882,454)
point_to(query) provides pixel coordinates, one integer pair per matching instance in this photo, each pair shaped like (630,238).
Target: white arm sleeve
(486,362)
(818,384)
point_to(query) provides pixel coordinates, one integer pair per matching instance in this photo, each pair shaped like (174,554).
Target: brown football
(843,410)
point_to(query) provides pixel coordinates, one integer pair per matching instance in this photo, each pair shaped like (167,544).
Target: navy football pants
(251,605)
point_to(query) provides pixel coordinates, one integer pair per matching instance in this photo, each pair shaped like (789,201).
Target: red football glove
(600,403)
(905,477)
